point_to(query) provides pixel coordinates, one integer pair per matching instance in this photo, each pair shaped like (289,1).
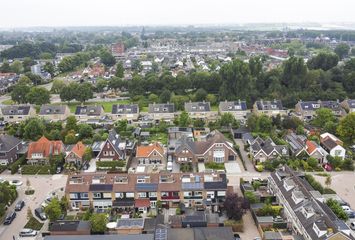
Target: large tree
(19,93)
(53,210)
(38,96)
(235,206)
(98,222)
(34,129)
(346,128)
(342,50)
(324,61)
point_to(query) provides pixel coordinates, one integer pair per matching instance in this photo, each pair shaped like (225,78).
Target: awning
(123,203)
(142,203)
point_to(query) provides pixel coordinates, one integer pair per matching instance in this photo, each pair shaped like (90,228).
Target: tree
(342,50)
(337,209)
(24,80)
(233,206)
(71,123)
(107,58)
(328,181)
(324,61)
(264,124)
(38,96)
(69,92)
(200,95)
(19,93)
(53,210)
(121,125)
(34,129)
(346,129)
(70,138)
(85,131)
(228,120)
(323,115)
(57,86)
(84,92)
(119,70)
(35,79)
(165,96)
(49,68)
(100,85)
(211,98)
(153,98)
(184,119)
(17,67)
(312,162)
(98,222)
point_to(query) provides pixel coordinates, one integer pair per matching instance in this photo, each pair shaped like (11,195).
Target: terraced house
(237,108)
(161,111)
(54,112)
(200,110)
(129,112)
(269,108)
(306,110)
(90,112)
(141,192)
(17,113)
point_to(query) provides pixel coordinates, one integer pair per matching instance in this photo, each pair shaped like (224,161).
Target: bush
(178,211)
(105,165)
(337,209)
(186,167)
(34,224)
(317,186)
(259,168)
(214,165)
(237,226)
(30,192)
(16,165)
(36,169)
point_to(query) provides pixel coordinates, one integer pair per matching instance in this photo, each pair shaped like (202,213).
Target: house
(175,134)
(162,111)
(17,113)
(113,149)
(332,147)
(305,211)
(297,144)
(216,148)
(42,150)
(348,105)
(316,151)
(306,110)
(54,112)
(200,110)
(150,154)
(262,150)
(76,153)
(269,108)
(9,147)
(69,227)
(237,108)
(90,112)
(141,191)
(323,136)
(129,112)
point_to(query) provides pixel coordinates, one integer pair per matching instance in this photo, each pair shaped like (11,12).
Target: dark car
(40,214)
(19,205)
(86,166)
(9,218)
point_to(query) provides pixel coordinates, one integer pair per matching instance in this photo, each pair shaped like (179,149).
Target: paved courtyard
(232,167)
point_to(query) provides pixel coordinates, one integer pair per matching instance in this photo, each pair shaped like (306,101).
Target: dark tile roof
(314,105)
(329,144)
(101,187)
(125,108)
(72,226)
(197,107)
(8,142)
(15,110)
(269,105)
(115,140)
(103,237)
(217,185)
(161,108)
(149,187)
(52,109)
(90,110)
(233,106)
(118,202)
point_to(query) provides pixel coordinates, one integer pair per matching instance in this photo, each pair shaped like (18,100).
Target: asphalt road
(43,186)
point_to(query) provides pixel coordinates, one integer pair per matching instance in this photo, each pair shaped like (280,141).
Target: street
(43,185)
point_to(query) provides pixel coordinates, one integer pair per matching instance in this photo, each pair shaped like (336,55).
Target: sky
(29,13)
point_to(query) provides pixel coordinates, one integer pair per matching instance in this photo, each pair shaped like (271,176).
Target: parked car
(59,170)
(9,218)
(46,202)
(39,212)
(351,214)
(352,225)
(28,232)
(237,236)
(346,209)
(169,166)
(19,205)
(86,166)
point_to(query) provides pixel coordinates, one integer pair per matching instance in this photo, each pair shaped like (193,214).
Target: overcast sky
(24,13)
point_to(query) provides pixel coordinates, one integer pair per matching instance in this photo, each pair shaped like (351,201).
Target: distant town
(164,133)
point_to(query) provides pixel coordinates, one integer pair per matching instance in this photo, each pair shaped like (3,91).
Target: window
(112,153)
(84,195)
(130,195)
(337,152)
(119,195)
(105,153)
(96,195)
(152,194)
(73,195)
(142,195)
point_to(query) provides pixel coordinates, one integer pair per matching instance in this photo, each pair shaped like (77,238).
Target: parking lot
(43,186)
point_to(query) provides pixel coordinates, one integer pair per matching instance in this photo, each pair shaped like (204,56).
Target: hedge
(36,169)
(34,224)
(110,164)
(214,165)
(15,165)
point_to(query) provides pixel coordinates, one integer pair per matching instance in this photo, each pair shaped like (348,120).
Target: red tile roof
(142,203)
(79,149)
(310,147)
(145,151)
(45,147)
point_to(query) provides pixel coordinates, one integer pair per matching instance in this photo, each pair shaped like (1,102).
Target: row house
(262,150)
(215,148)
(237,108)
(306,110)
(129,112)
(142,191)
(90,112)
(54,112)
(200,110)
(304,209)
(9,148)
(162,111)
(269,108)
(41,151)
(17,113)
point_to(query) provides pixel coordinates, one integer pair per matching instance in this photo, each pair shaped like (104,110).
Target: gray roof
(161,108)
(296,142)
(16,110)
(52,109)
(90,110)
(64,225)
(351,103)
(125,108)
(102,237)
(233,106)
(197,107)
(268,146)
(115,140)
(8,142)
(269,105)
(192,186)
(314,105)
(129,223)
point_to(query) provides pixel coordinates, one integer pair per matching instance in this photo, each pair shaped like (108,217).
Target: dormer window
(297,196)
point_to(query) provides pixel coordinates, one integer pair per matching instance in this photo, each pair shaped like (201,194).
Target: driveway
(43,185)
(248,163)
(232,168)
(92,167)
(201,167)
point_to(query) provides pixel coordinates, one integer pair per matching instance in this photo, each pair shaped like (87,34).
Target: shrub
(237,226)
(34,224)
(214,165)
(259,168)
(178,211)
(337,209)
(16,165)
(30,192)
(104,165)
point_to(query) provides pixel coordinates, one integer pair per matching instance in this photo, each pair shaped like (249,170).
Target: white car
(28,232)
(16,182)
(352,225)
(169,166)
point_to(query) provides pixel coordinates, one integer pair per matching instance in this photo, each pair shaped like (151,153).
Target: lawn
(105,104)
(8,102)
(215,166)
(159,137)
